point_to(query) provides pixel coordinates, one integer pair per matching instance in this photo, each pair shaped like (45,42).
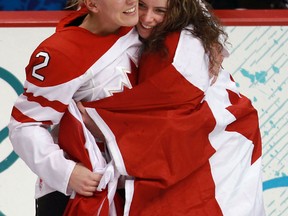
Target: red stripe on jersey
(20,117)
(44,102)
(247,122)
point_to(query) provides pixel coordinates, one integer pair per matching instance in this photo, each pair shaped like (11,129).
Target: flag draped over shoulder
(185,150)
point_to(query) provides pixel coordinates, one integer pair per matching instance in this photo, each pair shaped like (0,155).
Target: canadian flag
(183,150)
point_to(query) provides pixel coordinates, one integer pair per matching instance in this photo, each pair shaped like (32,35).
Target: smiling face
(116,13)
(151,13)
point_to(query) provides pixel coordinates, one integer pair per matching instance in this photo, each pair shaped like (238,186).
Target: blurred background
(258,63)
(216,4)
(17,5)
(249,4)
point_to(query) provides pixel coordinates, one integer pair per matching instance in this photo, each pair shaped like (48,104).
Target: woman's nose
(147,16)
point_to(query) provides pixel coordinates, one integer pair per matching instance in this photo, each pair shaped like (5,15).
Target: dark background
(249,4)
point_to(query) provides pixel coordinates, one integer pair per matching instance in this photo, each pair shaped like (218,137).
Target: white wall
(259,63)
(16,180)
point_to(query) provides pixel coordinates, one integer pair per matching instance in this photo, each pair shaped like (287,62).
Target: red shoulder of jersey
(67,54)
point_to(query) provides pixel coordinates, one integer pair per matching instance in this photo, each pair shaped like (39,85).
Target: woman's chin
(144,33)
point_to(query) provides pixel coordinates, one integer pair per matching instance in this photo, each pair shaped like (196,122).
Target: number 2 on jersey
(41,65)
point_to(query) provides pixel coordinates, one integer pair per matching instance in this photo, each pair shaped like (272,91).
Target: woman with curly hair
(174,16)
(184,139)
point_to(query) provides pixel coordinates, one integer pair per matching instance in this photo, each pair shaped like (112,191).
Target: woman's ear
(91,5)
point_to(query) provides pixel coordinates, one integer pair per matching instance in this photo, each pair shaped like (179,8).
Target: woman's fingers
(83,181)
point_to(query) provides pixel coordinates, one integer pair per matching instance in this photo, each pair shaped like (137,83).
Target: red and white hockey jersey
(186,147)
(72,64)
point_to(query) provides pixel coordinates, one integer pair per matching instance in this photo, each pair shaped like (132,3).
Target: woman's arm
(90,124)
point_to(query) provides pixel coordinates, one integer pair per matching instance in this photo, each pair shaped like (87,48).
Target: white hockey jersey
(72,64)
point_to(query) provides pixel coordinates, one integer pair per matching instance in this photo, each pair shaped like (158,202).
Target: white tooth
(147,27)
(130,10)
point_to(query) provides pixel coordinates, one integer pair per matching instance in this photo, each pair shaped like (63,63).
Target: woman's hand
(83,181)
(216,65)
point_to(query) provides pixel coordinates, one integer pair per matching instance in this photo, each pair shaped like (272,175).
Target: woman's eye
(161,11)
(141,5)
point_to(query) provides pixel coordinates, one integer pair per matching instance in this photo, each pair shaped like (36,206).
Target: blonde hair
(73,4)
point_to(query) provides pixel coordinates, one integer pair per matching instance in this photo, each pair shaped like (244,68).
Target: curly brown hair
(182,13)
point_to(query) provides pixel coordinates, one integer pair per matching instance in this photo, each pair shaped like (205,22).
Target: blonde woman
(86,59)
